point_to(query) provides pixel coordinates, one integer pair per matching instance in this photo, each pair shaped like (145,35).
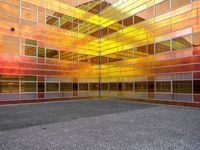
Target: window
(52,21)
(182,86)
(28,87)
(52,87)
(104,86)
(9,77)
(67,56)
(65,87)
(182,42)
(196,85)
(128,21)
(140,51)
(94,86)
(29,42)
(178,3)
(9,87)
(113,86)
(163,86)
(150,86)
(28,50)
(128,54)
(128,86)
(83,86)
(140,86)
(50,53)
(163,46)
(196,39)
(41,52)
(162,7)
(28,78)
(151,49)
(140,16)
(83,58)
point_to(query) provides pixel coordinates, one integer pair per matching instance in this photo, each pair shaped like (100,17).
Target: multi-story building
(139,49)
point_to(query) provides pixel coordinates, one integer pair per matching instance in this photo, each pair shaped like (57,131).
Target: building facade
(140,49)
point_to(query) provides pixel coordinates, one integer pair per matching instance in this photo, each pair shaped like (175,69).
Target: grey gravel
(99,125)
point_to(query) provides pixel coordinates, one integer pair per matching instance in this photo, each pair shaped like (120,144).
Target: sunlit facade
(140,49)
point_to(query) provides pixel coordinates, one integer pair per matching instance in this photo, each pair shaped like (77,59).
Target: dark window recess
(140,86)
(128,21)
(113,86)
(83,86)
(182,86)
(128,86)
(52,87)
(94,86)
(104,86)
(65,86)
(75,86)
(50,53)
(150,86)
(163,86)
(41,86)
(120,87)
(163,46)
(196,85)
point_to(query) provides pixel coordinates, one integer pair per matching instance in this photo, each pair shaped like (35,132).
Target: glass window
(41,86)
(196,39)
(28,50)
(41,52)
(52,21)
(67,56)
(28,78)
(65,86)
(140,86)
(29,42)
(9,77)
(104,86)
(113,86)
(50,53)
(128,54)
(9,87)
(83,58)
(112,57)
(83,86)
(151,86)
(196,85)
(163,46)
(163,7)
(128,86)
(151,49)
(128,21)
(140,16)
(182,86)
(28,87)
(179,3)
(140,51)
(182,42)
(163,86)
(52,87)
(94,86)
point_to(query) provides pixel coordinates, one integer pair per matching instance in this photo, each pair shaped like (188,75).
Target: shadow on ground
(22,116)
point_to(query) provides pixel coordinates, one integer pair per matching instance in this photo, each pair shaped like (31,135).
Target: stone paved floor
(99,125)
